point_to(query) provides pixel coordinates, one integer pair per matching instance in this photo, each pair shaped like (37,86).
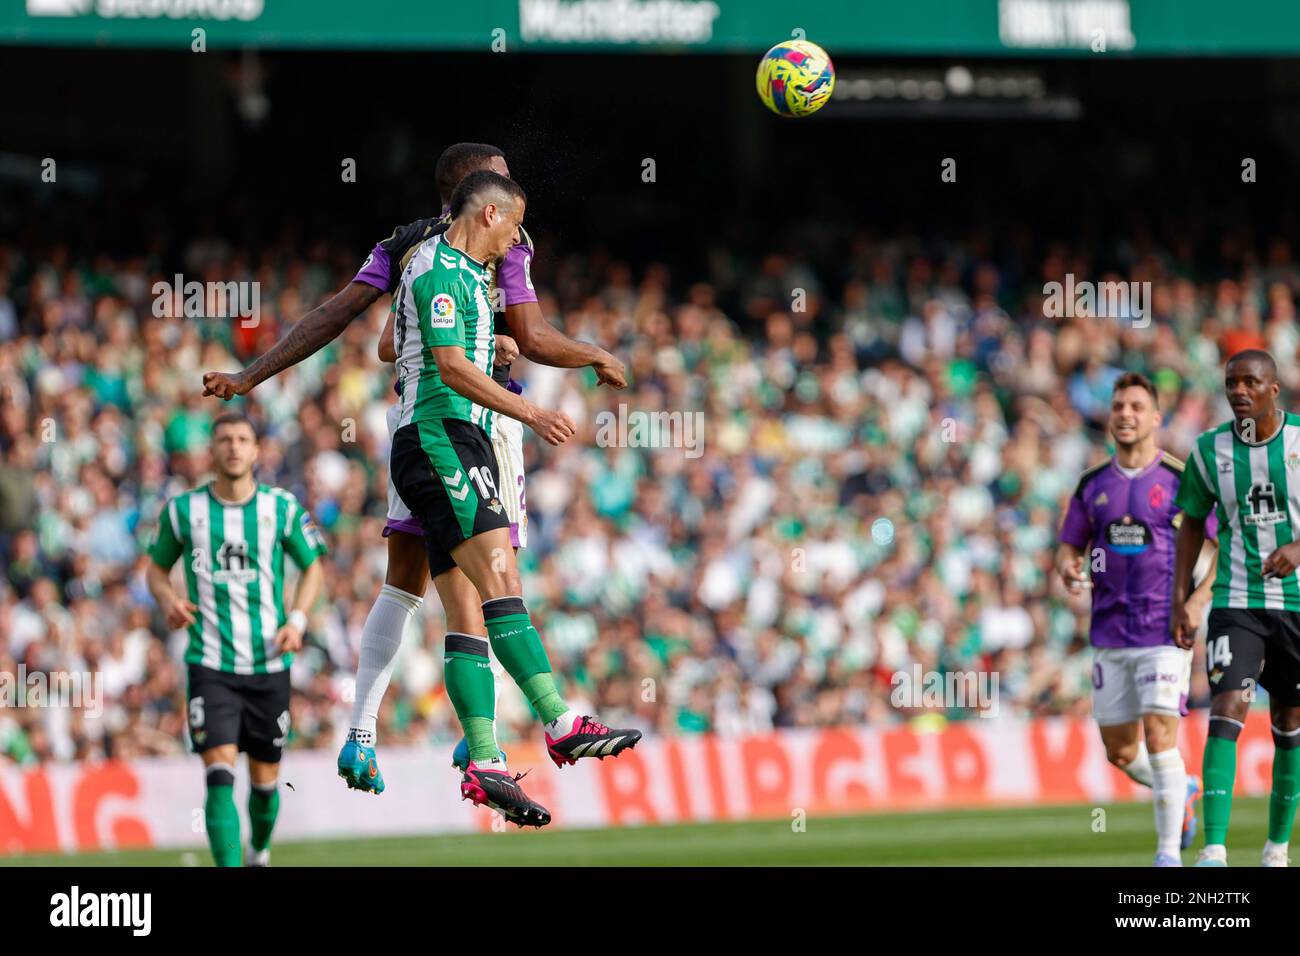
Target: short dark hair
(235,418)
(1254,355)
(480,182)
(1137,380)
(457,162)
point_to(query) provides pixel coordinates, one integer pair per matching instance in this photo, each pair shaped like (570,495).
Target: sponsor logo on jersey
(1127,536)
(232,557)
(443,312)
(1100,500)
(1260,506)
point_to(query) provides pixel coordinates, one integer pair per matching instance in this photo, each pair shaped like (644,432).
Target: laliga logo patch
(443,311)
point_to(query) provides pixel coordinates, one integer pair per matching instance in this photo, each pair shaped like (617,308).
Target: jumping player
(407,573)
(445,471)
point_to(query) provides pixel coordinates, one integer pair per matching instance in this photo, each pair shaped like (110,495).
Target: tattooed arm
(308,336)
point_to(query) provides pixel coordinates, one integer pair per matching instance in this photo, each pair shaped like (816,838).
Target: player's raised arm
(538,340)
(309,335)
(541,342)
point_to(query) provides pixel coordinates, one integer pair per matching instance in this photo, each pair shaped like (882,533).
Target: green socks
(263,808)
(1218,773)
(220,816)
(519,648)
(468,675)
(1286,786)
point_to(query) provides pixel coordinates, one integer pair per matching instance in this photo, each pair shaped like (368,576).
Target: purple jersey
(383,267)
(512,274)
(1133,522)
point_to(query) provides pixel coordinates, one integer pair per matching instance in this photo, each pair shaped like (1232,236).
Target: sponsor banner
(159,803)
(986,27)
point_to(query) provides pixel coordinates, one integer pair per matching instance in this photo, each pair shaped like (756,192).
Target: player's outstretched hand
(1283,561)
(610,371)
(224,385)
(555,427)
(507,350)
(179,612)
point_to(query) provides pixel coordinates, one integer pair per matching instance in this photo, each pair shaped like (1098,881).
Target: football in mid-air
(795,78)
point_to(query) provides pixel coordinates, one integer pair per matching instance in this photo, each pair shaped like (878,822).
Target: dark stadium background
(152,144)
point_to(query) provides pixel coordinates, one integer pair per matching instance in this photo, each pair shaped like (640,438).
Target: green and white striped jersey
(234,571)
(441,300)
(1256,487)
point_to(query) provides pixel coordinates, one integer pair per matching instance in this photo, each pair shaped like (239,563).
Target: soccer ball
(795,78)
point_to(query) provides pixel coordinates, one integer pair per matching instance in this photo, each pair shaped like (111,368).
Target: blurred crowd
(887,447)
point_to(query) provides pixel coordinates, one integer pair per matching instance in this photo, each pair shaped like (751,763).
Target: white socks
(1170,798)
(561,726)
(1139,767)
(380,640)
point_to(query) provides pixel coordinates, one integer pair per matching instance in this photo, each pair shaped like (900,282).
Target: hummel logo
(1225,467)
(457,486)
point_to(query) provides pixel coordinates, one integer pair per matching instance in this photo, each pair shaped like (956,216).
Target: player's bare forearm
(159,583)
(304,596)
(541,342)
(465,378)
(312,332)
(1187,548)
(1209,555)
(387,347)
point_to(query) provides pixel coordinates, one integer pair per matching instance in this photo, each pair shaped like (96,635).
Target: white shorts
(508,443)
(1128,682)
(399,516)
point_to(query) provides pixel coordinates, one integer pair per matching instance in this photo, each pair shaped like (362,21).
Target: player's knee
(1121,755)
(1285,722)
(1226,726)
(219,775)
(408,569)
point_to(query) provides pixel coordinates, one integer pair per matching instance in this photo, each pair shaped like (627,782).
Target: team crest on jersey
(495,505)
(443,311)
(1293,461)
(1127,536)
(1156,496)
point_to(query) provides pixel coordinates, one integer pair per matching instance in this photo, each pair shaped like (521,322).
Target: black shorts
(250,710)
(1244,646)
(446,472)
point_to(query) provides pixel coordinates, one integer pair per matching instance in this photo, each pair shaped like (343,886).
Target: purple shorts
(412,526)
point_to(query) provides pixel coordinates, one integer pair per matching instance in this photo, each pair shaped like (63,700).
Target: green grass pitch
(1037,836)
